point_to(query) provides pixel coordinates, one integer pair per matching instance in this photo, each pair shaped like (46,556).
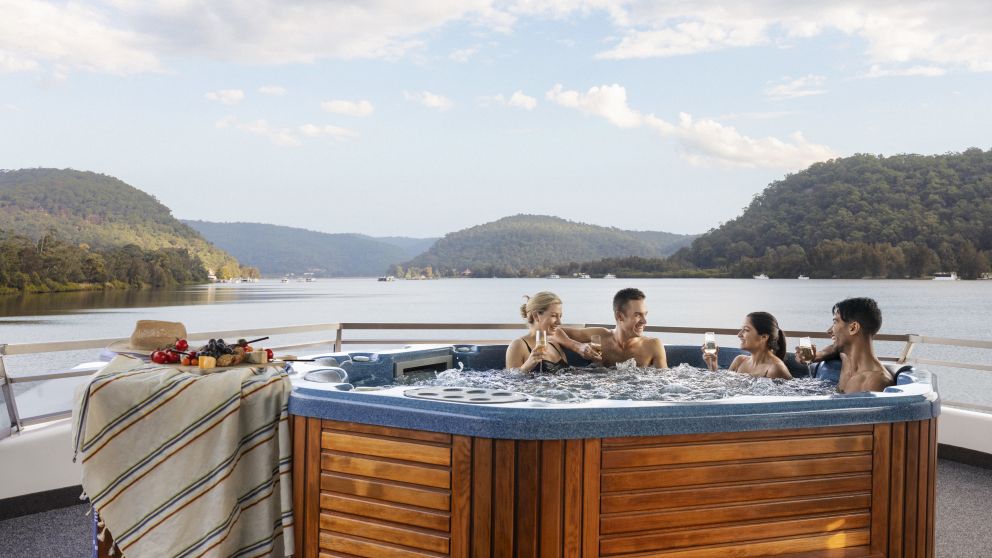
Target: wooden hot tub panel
(863,490)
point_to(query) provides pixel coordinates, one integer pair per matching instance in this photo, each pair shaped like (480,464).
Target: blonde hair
(537,303)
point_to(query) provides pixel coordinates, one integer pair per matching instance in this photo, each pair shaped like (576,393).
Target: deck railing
(331,336)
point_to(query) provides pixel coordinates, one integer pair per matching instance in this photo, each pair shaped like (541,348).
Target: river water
(958,309)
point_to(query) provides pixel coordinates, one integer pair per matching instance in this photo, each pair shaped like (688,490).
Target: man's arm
(576,339)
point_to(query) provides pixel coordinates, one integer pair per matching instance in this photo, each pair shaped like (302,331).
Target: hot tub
(378,473)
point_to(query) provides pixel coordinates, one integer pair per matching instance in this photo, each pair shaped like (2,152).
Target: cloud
(701,142)
(517,100)
(428,99)
(938,34)
(273,90)
(463,55)
(877,71)
(285,137)
(226,96)
(788,88)
(349,108)
(35,35)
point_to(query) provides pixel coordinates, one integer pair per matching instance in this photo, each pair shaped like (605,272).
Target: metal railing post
(911,341)
(8,395)
(337,338)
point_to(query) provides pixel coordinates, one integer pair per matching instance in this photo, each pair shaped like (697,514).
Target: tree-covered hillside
(535,244)
(277,250)
(97,210)
(865,215)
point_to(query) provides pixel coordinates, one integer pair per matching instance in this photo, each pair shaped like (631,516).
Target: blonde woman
(543,314)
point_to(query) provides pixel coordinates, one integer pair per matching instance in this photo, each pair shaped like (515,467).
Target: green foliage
(531,245)
(277,250)
(51,264)
(96,210)
(862,216)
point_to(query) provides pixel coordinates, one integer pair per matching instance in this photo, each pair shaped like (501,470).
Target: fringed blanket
(182,464)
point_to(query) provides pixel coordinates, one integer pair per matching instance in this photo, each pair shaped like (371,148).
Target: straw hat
(149,335)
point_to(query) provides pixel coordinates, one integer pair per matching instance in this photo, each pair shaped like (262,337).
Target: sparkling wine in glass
(541,340)
(709,343)
(805,349)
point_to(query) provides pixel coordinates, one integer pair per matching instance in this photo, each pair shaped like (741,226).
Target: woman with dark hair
(760,336)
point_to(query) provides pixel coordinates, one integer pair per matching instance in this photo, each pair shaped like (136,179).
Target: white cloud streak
(349,108)
(226,96)
(702,142)
(792,88)
(518,100)
(285,137)
(272,90)
(428,99)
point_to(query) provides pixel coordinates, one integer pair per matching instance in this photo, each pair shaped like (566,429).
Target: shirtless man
(856,321)
(626,341)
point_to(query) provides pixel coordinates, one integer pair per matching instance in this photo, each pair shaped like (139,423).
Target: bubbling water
(575,385)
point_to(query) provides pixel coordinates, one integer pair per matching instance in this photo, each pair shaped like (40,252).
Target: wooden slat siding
(482,497)
(709,515)
(729,494)
(368,548)
(365,444)
(389,491)
(312,512)
(726,451)
(921,491)
(670,477)
(912,474)
(881,457)
(401,434)
(528,498)
(552,495)
(461,496)
(572,500)
(932,490)
(897,495)
(591,482)
(299,425)
(734,436)
(786,547)
(755,531)
(388,511)
(381,468)
(414,537)
(504,481)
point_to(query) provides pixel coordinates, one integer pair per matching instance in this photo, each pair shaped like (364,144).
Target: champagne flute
(596,342)
(540,340)
(805,349)
(709,343)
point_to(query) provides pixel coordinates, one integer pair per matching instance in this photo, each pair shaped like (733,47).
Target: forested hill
(97,210)
(535,244)
(865,215)
(277,250)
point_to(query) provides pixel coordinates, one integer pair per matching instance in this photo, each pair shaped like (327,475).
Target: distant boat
(762,276)
(284,280)
(803,278)
(583,276)
(609,276)
(554,276)
(387,278)
(945,276)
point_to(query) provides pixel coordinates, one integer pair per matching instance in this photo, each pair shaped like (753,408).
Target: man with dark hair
(624,342)
(855,323)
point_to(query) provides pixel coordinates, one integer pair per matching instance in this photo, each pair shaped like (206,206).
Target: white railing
(337,341)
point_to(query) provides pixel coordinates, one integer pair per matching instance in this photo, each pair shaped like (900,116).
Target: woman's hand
(710,359)
(535,358)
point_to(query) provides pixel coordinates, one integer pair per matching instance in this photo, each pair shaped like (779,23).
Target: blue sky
(421,118)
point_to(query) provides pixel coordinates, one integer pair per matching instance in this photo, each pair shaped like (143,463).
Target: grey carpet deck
(964,511)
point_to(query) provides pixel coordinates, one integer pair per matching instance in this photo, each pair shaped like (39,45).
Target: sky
(420,118)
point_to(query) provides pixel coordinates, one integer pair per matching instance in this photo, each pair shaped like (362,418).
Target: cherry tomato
(182,344)
(185,361)
(173,356)
(192,354)
(268,354)
(194,361)
(159,357)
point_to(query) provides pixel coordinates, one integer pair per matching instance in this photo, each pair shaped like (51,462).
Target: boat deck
(964,505)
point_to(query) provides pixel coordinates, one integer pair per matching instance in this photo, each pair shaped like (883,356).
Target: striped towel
(182,464)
